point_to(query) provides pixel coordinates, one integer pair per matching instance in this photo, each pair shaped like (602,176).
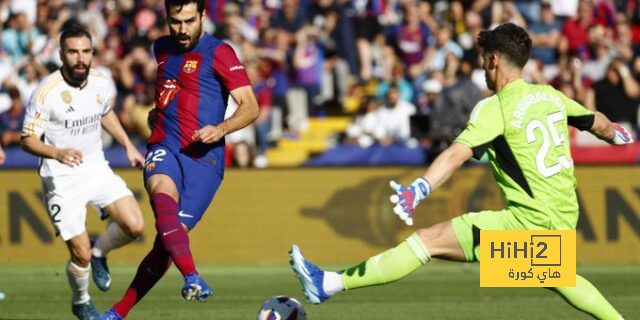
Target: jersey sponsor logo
(66,96)
(190,66)
(70,109)
(234,68)
(167,93)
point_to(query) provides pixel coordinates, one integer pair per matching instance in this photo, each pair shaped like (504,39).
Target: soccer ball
(282,308)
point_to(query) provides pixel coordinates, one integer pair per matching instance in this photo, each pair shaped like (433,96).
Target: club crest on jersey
(190,66)
(66,96)
(150,166)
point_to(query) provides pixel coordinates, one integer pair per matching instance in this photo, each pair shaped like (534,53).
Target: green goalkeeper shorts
(467,228)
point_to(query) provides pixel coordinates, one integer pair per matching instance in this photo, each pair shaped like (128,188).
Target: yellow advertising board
(340,214)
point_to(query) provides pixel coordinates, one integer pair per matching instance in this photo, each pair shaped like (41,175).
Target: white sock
(114,238)
(332,283)
(79,281)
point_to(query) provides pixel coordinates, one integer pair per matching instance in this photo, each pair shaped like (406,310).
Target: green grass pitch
(437,291)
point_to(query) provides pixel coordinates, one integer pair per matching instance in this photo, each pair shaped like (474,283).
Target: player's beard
(76,75)
(193,39)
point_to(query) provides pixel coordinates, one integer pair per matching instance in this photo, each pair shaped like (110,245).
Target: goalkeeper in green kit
(523,129)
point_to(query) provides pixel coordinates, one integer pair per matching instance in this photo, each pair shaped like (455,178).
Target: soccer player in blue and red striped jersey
(185,160)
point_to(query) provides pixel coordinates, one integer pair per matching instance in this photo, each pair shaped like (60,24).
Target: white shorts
(66,197)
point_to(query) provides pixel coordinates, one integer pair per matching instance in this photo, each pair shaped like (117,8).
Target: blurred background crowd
(346,81)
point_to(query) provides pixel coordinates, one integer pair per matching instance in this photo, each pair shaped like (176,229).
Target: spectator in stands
(545,36)
(367,27)
(18,36)
(134,79)
(258,73)
(365,127)
(274,48)
(504,12)
(308,59)
(426,101)
(412,41)
(399,80)
(444,46)
(289,17)
(575,33)
(11,120)
(393,119)
(603,52)
(618,94)
(573,83)
(243,155)
(452,107)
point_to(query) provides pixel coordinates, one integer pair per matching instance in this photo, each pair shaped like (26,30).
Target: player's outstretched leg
(154,265)
(311,277)
(176,242)
(391,265)
(110,315)
(195,289)
(585,297)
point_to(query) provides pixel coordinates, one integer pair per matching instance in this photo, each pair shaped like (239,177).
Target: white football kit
(70,117)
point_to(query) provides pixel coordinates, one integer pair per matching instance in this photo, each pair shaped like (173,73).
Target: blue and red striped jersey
(192,89)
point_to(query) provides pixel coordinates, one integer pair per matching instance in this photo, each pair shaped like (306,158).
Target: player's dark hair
(181,3)
(509,40)
(74,30)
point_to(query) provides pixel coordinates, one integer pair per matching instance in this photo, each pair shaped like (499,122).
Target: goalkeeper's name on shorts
(528,258)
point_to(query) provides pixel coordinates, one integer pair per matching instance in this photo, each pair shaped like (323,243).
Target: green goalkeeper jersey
(524,130)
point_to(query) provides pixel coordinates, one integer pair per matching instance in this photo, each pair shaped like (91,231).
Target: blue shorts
(196,181)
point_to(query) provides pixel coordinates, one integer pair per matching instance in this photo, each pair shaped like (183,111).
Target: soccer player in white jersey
(62,126)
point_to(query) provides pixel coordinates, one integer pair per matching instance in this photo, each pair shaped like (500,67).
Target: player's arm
(596,123)
(2,156)
(608,131)
(36,117)
(484,126)
(407,198)
(33,145)
(111,124)
(446,163)
(246,113)
(233,77)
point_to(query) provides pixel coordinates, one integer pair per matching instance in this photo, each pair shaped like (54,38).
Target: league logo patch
(190,66)
(150,166)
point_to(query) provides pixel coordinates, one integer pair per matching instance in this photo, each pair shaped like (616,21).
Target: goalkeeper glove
(620,135)
(407,199)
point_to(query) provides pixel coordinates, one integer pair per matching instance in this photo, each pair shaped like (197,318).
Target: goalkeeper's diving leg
(586,298)
(438,241)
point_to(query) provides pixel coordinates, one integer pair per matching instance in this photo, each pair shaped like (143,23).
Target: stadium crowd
(406,70)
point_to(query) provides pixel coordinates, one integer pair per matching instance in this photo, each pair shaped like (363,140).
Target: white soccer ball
(282,308)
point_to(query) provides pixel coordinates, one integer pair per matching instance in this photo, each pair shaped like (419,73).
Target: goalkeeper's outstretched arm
(608,131)
(446,163)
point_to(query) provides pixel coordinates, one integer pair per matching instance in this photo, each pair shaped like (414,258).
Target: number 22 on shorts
(153,157)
